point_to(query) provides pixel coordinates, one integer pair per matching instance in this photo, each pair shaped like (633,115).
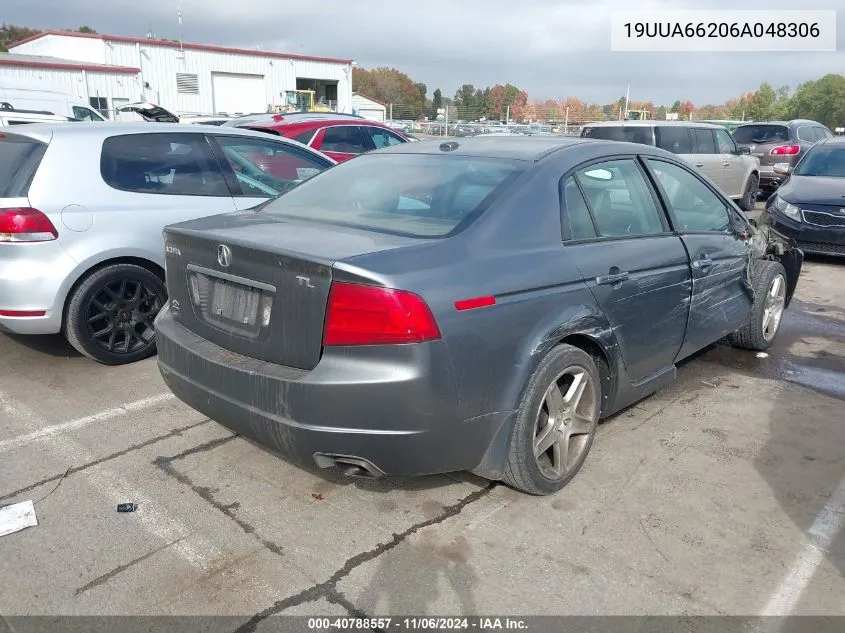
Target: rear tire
(109,316)
(749,198)
(556,422)
(760,331)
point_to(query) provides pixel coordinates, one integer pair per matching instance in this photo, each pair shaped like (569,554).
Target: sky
(549,48)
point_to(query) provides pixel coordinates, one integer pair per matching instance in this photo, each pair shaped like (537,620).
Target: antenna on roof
(150,34)
(179,14)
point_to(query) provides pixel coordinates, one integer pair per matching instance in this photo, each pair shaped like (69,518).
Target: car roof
(833,140)
(517,147)
(653,123)
(786,123)
(313,123)
(105,129)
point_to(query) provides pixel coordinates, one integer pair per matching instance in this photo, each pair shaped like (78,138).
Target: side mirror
(745,150)
(784,169)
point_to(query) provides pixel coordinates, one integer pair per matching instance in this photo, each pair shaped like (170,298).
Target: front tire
(556,422)
(110,314)
(759,332)
(749,198)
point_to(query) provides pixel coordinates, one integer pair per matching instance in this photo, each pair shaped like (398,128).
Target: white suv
(708,147)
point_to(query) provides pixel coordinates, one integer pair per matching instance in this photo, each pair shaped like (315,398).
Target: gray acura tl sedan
(469,305)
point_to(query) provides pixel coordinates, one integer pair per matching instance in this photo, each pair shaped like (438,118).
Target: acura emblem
(224,255)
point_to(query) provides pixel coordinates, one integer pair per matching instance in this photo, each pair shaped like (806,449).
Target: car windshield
(747,134)
(823,161)
(641,134)
(416,195)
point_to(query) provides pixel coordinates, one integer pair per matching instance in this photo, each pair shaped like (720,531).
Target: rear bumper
(808,237)
(769,180)
(31,278)
(393,406)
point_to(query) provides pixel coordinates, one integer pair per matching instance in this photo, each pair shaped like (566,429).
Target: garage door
(234,94)
(372,115)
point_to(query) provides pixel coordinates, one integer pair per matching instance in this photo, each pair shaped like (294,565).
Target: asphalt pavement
(722,494)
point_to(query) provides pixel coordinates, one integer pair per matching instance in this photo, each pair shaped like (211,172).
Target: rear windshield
(642,134)
(748,134)
(823,161)
(404,194)
(19,159)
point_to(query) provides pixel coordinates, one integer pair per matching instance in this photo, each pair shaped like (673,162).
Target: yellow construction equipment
(301,101)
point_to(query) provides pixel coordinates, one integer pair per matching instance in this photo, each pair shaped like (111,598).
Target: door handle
(699,164)
(702,263)
(727,163)
(611,279)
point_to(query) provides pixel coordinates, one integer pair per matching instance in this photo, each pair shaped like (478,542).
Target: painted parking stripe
(820,537)
(49,432)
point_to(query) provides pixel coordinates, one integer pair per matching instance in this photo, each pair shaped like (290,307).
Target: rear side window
(417,195)
(675,139)
(345,139)
(166,164)
(620,199)
(304,137)
(576,212)
(805,133)
(642,134)
(822,133)
(85,114)
(703,142)
(762,133)
(19,160)
(383,138)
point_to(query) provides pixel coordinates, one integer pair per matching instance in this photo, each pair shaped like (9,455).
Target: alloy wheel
(565,422)
(121,314)
(773,307)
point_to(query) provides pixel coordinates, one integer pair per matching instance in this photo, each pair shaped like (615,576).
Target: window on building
(187,84)
(101,105)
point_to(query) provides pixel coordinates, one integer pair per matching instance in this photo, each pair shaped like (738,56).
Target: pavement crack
(328,588)
(102,460)
(200,448)
(99,580)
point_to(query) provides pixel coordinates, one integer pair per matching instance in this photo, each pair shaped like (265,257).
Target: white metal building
(368,108)
(111,70)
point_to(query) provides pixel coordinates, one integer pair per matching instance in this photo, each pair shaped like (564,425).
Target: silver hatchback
(82,208)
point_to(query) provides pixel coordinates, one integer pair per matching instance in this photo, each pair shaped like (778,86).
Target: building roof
(187,46)
(358,94)
(42,61)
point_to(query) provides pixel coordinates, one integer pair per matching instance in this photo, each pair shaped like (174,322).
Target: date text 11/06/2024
(417,624)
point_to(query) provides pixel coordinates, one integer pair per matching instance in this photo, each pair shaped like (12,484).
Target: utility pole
(566,122)
(627,98)
(391,112)
(508,116)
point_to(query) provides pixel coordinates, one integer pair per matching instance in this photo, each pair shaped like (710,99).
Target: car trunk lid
(761,139)
(259,286)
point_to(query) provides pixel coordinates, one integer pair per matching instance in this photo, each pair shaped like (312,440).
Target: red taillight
(787,150)
(369,315)
(24,224)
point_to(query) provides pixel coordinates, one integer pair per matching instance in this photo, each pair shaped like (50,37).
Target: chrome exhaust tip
(349,465)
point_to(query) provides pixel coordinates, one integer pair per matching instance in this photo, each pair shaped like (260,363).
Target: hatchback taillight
(370,315)
(785,150)
(24,224)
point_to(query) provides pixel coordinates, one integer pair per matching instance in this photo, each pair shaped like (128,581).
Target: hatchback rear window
(642,134)
(757,134)
(404,194)
(19,160)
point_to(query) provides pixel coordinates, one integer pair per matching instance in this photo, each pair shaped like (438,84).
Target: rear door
(258,169)
(733,167)
(721,298)
(705,157)
(637,270)
(342,142)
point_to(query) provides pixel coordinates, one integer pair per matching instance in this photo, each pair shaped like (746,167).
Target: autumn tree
(392,87)
(9,34)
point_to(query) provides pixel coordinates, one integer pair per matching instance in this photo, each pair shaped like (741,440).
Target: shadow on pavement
(52,344)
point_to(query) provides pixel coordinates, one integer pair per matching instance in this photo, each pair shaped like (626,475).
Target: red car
(339,136)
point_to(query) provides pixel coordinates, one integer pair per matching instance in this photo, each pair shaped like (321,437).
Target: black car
(809,207)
